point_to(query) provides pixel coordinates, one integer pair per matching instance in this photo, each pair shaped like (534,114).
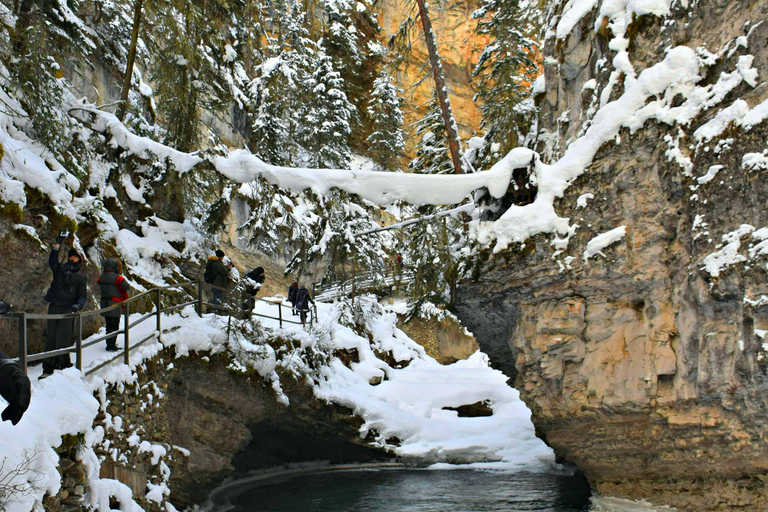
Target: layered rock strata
(645,364)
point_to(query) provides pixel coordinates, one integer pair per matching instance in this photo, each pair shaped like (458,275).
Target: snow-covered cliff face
(641,352)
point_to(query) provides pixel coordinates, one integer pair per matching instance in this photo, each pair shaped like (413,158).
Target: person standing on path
(67,294)
(114,289)
(302,303)
(252,284)
(292,290)
(219,274)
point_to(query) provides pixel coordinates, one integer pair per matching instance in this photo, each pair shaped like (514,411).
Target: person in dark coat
(302,302)
(67,294)
(220,275)
(252,281)
(14,388)
(114,289)
(292,296)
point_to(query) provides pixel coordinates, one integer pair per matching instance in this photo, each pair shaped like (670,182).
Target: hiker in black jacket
(252,284)
(15,388)
(67,294)
(302,302)
(292,290)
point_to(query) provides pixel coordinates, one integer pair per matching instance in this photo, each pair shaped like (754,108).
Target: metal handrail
(360,281)
(23,318)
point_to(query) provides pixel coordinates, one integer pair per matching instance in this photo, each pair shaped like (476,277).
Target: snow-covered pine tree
(434,252)
(337,239)
(38,41)
(340,37)
(280,88)
(506,70)
(326,118)
(433,245)
(189,69)
(269,113)
(388,138)
(349,37)
(432,155)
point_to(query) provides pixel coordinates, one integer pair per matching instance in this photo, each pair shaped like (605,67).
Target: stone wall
(74,479)
(639,365)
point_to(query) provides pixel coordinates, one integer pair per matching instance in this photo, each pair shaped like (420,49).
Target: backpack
(209,274)
(302,298)
(123,293)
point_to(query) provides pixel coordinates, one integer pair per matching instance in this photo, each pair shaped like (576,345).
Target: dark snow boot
(113,348)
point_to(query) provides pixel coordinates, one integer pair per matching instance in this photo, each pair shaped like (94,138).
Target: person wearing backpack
(216,275)
(302,302)
(114,289)
(292,296)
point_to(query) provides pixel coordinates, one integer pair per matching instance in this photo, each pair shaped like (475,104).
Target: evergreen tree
(271,140)
(45,35)
(434,246)
(432,155)
(435,252)
(388,137)
(189,74)
(281,87)
(506,69)
(340,38)
(349,34)
(337,239)
(326,119)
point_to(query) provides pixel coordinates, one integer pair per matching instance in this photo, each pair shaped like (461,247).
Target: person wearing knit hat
(67,294)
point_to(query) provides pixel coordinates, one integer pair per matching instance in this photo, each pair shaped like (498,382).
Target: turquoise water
(417,491)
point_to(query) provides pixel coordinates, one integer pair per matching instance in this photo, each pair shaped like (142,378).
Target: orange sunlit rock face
(459,47)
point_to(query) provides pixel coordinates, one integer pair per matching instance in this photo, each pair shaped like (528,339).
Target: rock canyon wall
(645,364)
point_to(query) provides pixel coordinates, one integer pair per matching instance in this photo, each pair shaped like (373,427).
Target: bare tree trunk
(131,59)
(442,90)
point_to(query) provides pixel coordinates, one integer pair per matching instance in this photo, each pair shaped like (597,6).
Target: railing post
(229,325)
(280,313)
(79,343)
(23,341)
(199,298)
(159,298)
(126,336)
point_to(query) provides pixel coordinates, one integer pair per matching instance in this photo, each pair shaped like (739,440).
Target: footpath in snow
(407,403)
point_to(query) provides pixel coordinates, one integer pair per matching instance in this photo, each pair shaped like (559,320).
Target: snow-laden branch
(465,208)
(378,187)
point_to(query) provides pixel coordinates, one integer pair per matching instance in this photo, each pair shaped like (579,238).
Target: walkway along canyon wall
(645,365)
